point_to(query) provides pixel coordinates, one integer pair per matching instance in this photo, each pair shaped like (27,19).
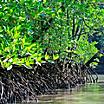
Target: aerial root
(21,84)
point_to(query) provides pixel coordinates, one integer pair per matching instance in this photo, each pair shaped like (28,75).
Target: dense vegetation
(46,45)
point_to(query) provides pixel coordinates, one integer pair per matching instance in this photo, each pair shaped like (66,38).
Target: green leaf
(47,56)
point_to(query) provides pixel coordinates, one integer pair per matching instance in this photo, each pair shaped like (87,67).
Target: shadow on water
(88,94)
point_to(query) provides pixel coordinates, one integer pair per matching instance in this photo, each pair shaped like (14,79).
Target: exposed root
(21,84)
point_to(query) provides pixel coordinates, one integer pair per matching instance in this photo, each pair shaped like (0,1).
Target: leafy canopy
(36,29)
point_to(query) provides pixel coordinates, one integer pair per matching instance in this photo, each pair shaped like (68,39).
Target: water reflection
(89,94)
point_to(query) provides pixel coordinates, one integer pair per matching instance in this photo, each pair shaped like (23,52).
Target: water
(88,94)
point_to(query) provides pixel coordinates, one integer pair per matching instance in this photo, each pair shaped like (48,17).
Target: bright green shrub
(36,29)
(85,50)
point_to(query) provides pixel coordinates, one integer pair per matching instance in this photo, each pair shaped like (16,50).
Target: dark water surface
(88,94)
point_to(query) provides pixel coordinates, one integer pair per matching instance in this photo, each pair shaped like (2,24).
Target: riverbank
(78,95)
(88,94)
(22,84)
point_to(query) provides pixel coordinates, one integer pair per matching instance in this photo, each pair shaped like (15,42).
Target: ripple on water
(89,94)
